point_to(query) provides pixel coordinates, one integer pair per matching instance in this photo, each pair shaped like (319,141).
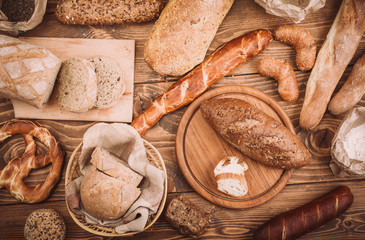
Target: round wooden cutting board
(199,149)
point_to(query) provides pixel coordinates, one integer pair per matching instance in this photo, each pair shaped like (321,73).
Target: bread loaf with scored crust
(28,72)
(182,34)
(255,133)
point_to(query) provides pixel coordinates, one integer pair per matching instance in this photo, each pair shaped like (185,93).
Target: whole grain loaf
(255,133)
(109,81)
(186,217)
(96,12)
(76,85)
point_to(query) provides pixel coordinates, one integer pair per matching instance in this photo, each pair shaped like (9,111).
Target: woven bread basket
(73,172)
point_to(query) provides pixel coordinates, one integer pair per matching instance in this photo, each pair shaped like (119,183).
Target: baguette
(295,223)
(352,91)
(182,34)
(255,133)
(221,62)
(335,54)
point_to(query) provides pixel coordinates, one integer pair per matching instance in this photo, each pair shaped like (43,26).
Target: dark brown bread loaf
(96,12)
(186,217)
(255,133)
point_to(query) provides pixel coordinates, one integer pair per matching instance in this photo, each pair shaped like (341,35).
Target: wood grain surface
(304,185)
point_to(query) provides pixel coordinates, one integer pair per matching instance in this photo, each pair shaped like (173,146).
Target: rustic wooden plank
(227,223)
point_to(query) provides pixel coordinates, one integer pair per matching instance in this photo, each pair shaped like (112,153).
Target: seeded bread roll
(182,34)
(96,12)
(43,224)
(77,85)
(255,133)
(29,72)
(109,80)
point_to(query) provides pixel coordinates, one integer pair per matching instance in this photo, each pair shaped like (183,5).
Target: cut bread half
(110,81)
(230,176)
(106,162)
(77,85)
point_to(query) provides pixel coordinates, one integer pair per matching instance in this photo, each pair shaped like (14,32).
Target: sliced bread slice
(230,176)
(77,85)
(110,81)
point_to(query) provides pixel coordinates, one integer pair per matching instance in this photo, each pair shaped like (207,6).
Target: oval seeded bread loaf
(255,133)
(77,85)
(109,80)
(182,34)
(96,12)
(28,72)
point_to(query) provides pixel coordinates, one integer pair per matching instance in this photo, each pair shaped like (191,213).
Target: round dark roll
(44,224)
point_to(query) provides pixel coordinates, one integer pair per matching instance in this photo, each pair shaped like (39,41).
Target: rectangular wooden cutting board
(122,51)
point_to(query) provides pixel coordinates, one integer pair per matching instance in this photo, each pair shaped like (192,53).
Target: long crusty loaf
(27,72)
(96,12)
(255,133)
(352,91)
(335,54)
(221,62)
(182,34)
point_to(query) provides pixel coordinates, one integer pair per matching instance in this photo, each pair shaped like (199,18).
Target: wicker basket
(73,172)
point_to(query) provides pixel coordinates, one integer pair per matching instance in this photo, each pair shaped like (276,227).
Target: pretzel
(18,168)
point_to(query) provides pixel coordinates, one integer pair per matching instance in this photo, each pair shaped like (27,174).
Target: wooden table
(305,184)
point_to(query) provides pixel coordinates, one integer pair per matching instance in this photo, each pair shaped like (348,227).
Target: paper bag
(294,10)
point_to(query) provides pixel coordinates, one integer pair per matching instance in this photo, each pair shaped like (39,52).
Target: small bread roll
(230,176)
(44,224)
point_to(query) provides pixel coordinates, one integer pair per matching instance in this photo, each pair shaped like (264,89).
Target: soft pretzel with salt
(18,168)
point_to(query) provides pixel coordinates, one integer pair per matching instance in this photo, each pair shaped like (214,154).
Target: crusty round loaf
(105,197)
(110,81)
(77,85)
(44,224)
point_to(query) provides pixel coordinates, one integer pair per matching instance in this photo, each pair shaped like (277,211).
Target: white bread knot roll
(230,176)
